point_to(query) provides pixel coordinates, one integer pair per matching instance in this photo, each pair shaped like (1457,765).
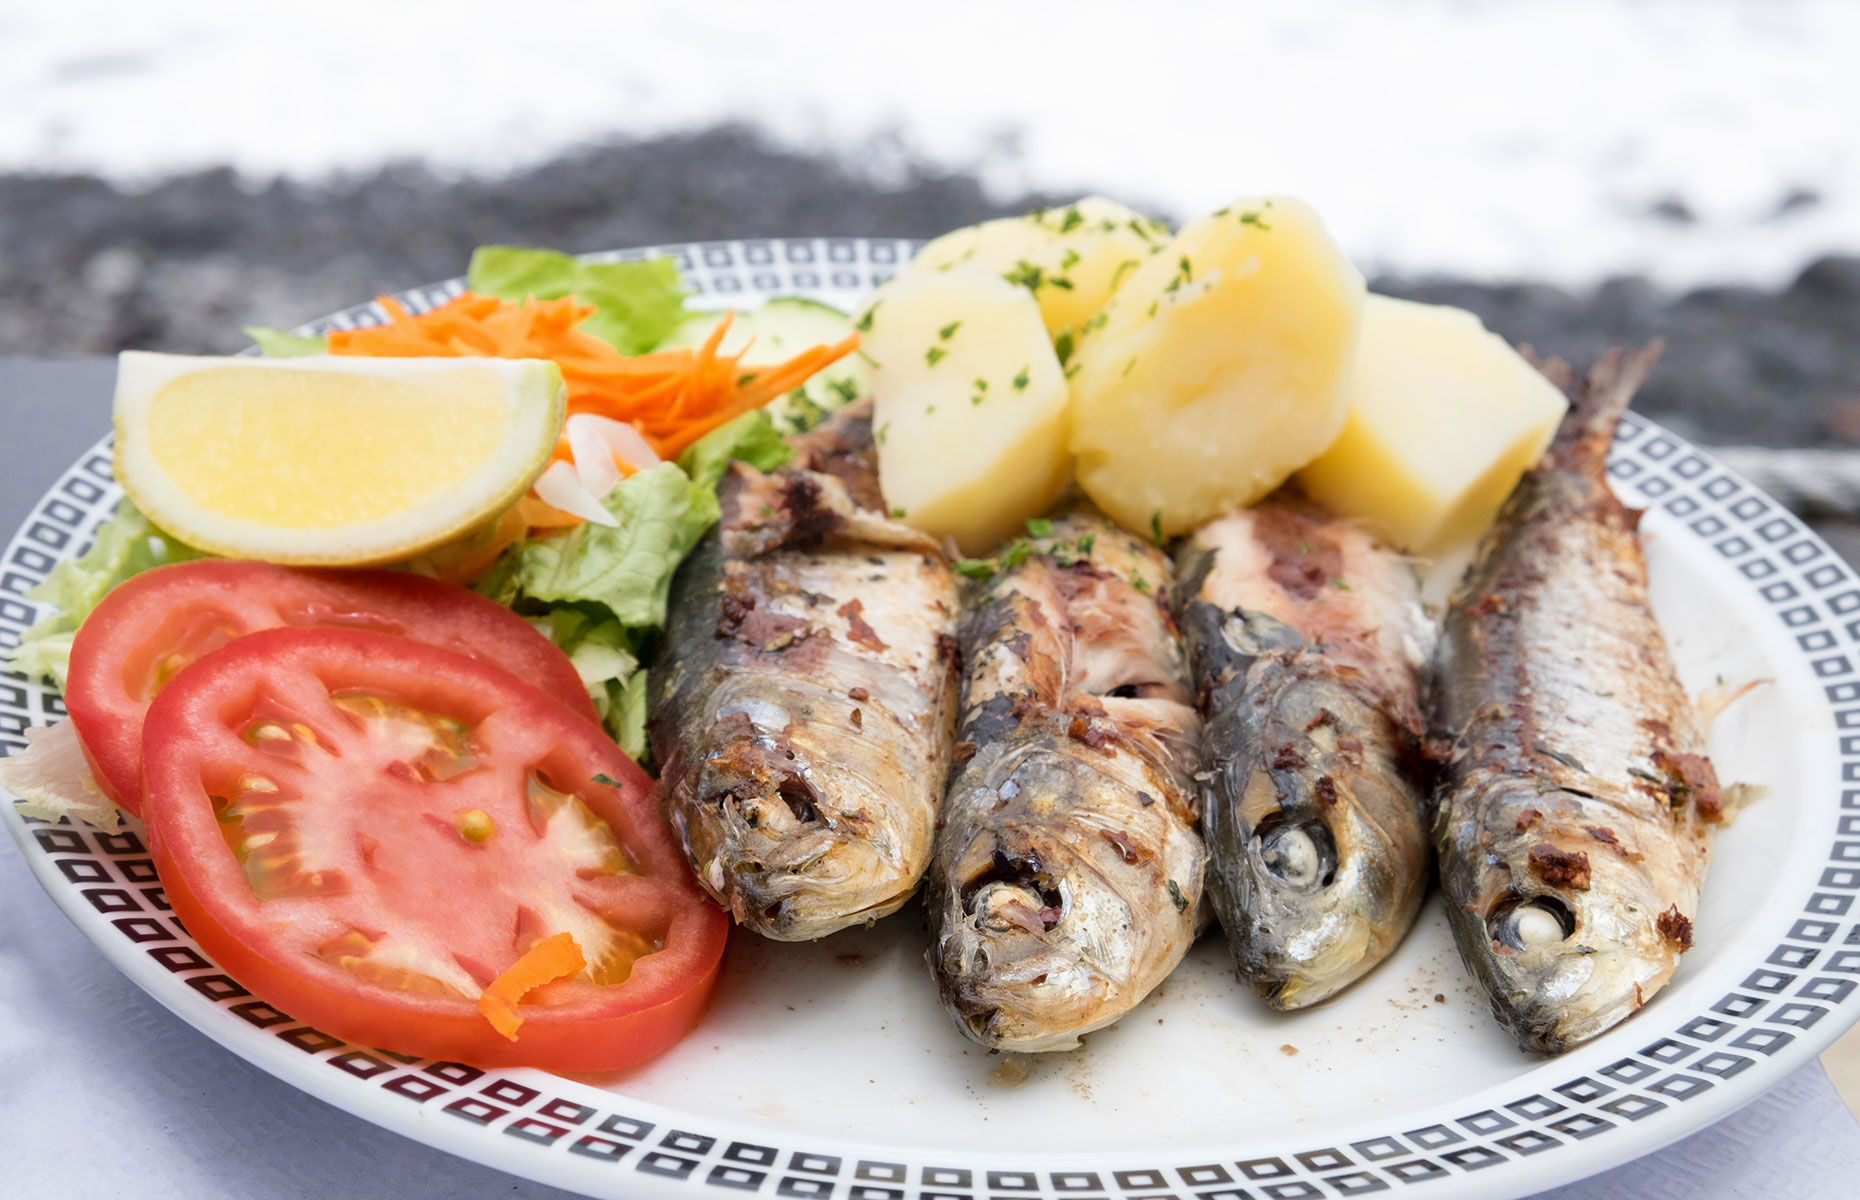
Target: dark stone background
(86,268)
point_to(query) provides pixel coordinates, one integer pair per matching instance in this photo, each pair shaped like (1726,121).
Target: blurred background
(1580,173)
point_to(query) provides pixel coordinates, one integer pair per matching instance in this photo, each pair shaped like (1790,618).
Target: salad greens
(127,544)
(599,592)
(636,304)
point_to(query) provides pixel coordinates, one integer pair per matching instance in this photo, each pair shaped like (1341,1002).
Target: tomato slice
(366,832)
(154,624)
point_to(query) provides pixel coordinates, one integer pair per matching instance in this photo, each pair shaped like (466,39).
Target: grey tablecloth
(103,1093)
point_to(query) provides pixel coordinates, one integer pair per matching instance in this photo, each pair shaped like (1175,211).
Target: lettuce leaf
(127,544)
(752,437)
(279,343)
(600,592)
(636,304)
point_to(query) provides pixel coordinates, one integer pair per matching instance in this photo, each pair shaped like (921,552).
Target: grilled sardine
(1067,869)
(1573,817)
(1308,645)
(803,711)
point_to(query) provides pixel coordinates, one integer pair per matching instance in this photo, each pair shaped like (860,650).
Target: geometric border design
(1808,980)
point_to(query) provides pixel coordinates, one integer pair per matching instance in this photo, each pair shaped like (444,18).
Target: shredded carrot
(673,397)
(552,958)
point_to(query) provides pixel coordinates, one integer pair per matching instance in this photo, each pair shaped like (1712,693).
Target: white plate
(828,1071)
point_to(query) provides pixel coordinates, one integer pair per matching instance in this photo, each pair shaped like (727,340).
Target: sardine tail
(1596,405)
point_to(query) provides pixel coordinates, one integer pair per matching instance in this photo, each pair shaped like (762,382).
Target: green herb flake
(605,780)
(1176,897)
(974,568)
(1156,534)
(1063,345)
(864,323)
(1140,583)
(935,355)
(899,513)
(1017,554)
(1086,543)
(1027,275)
(1039,527)
(1153,305)
(1072,220)
(1252,218)
(1070,260)
(1341,585)
(1304,547)
(1129,367)
(1117,276)
(928,409)
(1020,380)
(949,331)
(883,430)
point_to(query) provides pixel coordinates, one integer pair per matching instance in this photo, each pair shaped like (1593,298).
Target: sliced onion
(559,487)
(52,779)
(596,442)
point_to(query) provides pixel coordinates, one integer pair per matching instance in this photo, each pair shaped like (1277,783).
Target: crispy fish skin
(1067,868)
(1573,816)
(1308,643)
(804,709)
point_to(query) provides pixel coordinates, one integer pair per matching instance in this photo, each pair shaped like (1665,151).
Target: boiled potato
(1070,258)
(1221,367)
(969,404)
(1444,418)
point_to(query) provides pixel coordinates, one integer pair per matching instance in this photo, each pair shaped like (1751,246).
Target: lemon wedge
(328,460)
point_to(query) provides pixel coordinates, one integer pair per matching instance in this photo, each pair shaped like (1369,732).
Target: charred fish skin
(1067,869)
(1573,814)
(1307,643)
(804,706)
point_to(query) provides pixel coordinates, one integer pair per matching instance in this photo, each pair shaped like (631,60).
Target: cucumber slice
(781,329)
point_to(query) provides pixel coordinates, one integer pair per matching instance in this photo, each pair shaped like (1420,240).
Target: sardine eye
(1300,854)
(1536,921)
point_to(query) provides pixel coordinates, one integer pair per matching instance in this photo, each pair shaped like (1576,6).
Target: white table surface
(103,1093)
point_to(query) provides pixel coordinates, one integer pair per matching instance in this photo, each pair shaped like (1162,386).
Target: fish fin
(1712,702)
(1550,367)
(1740,796)
(1582,441)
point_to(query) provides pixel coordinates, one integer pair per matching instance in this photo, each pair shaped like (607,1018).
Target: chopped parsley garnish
(974,568)
(1176,897)
(1140,583)
(1063,345)
(1252,218)
(1341,585)
(1039,527)
(864,324)
(935,355)
(605,778)
(1020,380)
(1072,220)
(899,513)
(949,331)
(845,390)
(1070,259)
(1129,367)
(882,431)
(981,391)
(1117,276)
(1027,275)
(1156,527)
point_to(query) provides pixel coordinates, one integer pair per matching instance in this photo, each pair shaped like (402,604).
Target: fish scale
(1307,642)
(1067,871)
(1573,814)
(804,707)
